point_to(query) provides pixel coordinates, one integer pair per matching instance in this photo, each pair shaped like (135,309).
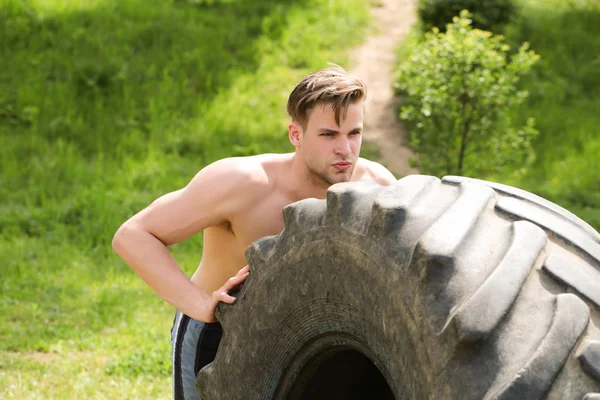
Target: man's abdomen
(222,258)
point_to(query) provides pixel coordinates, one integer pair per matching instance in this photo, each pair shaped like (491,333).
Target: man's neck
(303,183)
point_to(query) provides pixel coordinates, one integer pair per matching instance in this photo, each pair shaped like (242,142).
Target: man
(236,201)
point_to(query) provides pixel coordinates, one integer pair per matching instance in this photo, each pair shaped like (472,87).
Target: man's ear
(295,134)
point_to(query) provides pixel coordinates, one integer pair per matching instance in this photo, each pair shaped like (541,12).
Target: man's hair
(327,86)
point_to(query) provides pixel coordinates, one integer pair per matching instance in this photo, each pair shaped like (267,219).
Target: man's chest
(260,220)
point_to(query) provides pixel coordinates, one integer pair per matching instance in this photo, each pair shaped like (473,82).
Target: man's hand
(222,294)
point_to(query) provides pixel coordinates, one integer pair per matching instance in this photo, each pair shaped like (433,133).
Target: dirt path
(373,62)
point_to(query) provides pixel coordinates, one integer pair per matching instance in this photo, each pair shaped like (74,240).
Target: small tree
(459,88)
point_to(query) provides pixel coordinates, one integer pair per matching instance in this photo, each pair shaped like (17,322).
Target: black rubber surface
(451,289)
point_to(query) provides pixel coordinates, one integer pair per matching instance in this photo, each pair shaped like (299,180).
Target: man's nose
(342,147)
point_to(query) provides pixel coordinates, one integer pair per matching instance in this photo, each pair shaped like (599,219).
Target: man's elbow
(119,240)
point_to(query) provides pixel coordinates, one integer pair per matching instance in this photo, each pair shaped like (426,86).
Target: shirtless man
(236,201)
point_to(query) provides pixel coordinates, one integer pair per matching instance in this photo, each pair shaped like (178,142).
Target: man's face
(330,151)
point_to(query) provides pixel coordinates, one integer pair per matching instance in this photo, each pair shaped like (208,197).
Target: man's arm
(142,240)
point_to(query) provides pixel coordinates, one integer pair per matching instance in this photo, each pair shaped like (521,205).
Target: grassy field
(564,99)
(104,106)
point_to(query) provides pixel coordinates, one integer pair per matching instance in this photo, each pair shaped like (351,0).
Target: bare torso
(261,215)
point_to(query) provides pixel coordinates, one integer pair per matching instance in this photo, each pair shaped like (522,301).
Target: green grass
(104,106)
(564,99)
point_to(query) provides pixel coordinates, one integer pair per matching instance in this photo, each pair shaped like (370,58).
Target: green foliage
(458,87)
(487,15)
(564,96)
(104,106)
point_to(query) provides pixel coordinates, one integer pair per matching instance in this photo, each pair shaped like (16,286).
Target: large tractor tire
(426,289)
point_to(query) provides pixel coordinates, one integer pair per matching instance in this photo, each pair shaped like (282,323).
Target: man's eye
(327,134)
(356,132)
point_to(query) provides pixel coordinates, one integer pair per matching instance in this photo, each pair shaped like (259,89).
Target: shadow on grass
(566,82)
(568,42)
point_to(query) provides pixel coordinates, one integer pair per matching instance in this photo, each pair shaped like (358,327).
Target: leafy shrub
(458,89)
(487,14)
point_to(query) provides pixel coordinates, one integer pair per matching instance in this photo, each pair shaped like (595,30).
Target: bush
(488,14)
(458,89)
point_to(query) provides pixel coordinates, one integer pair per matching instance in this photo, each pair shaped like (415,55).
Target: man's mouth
(342,166)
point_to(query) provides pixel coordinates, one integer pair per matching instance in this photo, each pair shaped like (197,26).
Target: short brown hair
(327,86)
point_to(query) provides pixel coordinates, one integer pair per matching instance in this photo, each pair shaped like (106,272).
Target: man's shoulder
(244,172)
(232,184)
(371,170)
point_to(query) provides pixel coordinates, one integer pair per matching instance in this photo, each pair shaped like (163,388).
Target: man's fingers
(223,295)
(243,271)
(236,280)
(225,298)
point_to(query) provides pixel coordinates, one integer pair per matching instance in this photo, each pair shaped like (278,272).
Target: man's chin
(331,179)
(341,177)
